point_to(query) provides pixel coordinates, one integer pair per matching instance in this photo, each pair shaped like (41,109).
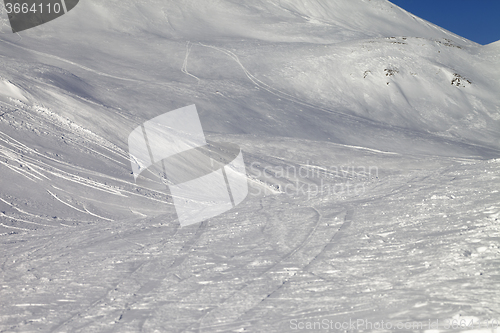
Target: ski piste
(373,189)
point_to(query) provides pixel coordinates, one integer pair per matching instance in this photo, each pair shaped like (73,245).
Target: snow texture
(371,140)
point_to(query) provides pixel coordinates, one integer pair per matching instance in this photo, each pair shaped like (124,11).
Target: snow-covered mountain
(355,92)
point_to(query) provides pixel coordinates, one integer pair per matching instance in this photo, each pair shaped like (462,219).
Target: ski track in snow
(283,95)
(77,209)
(182,255)
(87,249)
(277,92)
(185,64)
(231,310)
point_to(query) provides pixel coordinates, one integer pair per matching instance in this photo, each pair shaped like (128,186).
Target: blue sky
(477,20)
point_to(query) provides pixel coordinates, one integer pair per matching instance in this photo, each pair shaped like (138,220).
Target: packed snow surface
(371,140)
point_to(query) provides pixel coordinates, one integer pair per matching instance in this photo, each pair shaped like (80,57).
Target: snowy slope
(401,117)
(306,65)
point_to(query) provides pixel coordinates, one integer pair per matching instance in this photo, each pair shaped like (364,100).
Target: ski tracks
(143,280)
(320,238)
(184,65)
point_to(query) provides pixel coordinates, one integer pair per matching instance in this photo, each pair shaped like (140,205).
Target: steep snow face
(388,115)
(267,20)
(434,85)
(73,89)
(262,62)
(365,18)
(339,71)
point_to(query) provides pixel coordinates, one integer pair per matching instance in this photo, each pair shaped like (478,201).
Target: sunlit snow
(371,140)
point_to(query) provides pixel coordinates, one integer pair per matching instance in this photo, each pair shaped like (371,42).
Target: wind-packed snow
(371,140)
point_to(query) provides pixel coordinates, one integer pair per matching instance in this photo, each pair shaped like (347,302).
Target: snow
(371,140)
